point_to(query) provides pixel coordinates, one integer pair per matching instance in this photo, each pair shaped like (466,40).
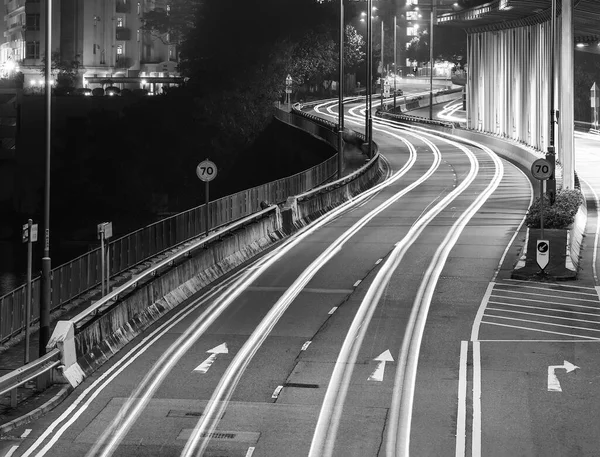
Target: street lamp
(341,96)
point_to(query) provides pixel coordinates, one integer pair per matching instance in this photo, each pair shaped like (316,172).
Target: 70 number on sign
(541,169)
(206,171)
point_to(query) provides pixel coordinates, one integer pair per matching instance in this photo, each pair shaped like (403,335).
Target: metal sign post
(207,171)
(105,231)
(542,170)
(30,235)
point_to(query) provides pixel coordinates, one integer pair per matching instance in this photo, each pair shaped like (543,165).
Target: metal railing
(84,273)
(9,382)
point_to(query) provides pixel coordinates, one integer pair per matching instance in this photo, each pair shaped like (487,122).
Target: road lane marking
(378,261)
(553,383)
(11,451)
(305,290)
(461,415)
(26,433)
(549,316)
(382,358)
(305,346)
(546,309)
(476,432)
(548,302)
(536,330)
(543,323)
(204,366)
(276,391)
(527,284)
(547,289)
(480,311)
(332,310)
(250,451)
(545,295)
(357,282)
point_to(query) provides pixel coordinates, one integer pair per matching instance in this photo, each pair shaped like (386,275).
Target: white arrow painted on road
(377,375)
(553,384)
(220,349)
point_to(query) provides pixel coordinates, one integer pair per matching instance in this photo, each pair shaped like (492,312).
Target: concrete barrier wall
(576,235)
(100,338)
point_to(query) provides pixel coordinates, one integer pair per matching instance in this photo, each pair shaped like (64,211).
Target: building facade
(104,36)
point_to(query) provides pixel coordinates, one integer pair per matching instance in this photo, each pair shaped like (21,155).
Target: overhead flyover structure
(509,69)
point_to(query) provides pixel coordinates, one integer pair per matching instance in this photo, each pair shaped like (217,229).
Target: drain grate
(229,436)
(301,385)
(181,413)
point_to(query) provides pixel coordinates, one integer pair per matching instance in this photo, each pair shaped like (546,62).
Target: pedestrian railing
(82,274)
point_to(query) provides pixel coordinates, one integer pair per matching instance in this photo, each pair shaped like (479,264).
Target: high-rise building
(103,36)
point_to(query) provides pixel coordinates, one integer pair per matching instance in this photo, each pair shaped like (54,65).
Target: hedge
(557,216)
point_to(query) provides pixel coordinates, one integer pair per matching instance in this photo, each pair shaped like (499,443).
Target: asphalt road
(346,340)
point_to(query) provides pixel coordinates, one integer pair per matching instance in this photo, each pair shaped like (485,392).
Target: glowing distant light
(363,13)
(32,82)
(143,81)
(580,45)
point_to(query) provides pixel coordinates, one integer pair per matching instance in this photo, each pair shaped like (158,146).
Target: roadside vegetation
(559,215)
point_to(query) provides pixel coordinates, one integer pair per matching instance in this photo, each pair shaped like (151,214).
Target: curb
(37,412)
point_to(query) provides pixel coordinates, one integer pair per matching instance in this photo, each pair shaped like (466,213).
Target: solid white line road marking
(377,375)
(479,315)
(357,282)
(305,346)
(204,366)
(461,416)
(332,310)
(276,392)
(536,330)
(26,433)
(378,261)
(476,432)
(250,451)
(11,451)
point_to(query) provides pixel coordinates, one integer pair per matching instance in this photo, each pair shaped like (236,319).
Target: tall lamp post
(395,55)
(551,155)
(431,59)
(341,96)
(369,119)
(46,289)
(382,65)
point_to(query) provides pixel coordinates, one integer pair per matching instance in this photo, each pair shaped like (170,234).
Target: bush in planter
(557,216)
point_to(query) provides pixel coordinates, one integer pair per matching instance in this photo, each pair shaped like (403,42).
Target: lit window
(412,31)
(412,2)
(412,15)
(120,21)
(119,49)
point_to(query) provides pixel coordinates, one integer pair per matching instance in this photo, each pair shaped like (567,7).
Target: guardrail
(16,378)
(82,274)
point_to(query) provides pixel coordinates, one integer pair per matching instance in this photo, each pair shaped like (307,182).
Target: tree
(65,72)
(354,49)
(172,23)
(314,58)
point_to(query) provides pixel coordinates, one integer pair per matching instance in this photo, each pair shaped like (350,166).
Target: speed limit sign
(206,170)
(541,169)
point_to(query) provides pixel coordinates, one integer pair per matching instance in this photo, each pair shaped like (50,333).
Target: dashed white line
(305,346)
(378,261)
(357,282)
(26,433)
(250,451)
(277,392)
(332,310)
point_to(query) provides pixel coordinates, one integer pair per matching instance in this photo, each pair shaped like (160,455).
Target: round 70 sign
(206,170)
(541,169)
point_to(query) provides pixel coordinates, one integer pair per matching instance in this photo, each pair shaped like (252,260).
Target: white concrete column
(566,96)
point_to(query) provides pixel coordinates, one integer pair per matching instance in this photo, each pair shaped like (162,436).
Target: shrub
(557,216)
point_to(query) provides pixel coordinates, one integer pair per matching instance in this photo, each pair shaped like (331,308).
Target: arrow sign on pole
(377,375)
(553,384)
(204,366)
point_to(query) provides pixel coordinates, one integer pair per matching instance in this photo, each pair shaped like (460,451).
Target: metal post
(28,295)
(395,60)
(551,154)
(107,267)
(341,96)
(206,215)
(102,258)
(369,126)
(431,61)
(382,67)
(46,288)
(542,207)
